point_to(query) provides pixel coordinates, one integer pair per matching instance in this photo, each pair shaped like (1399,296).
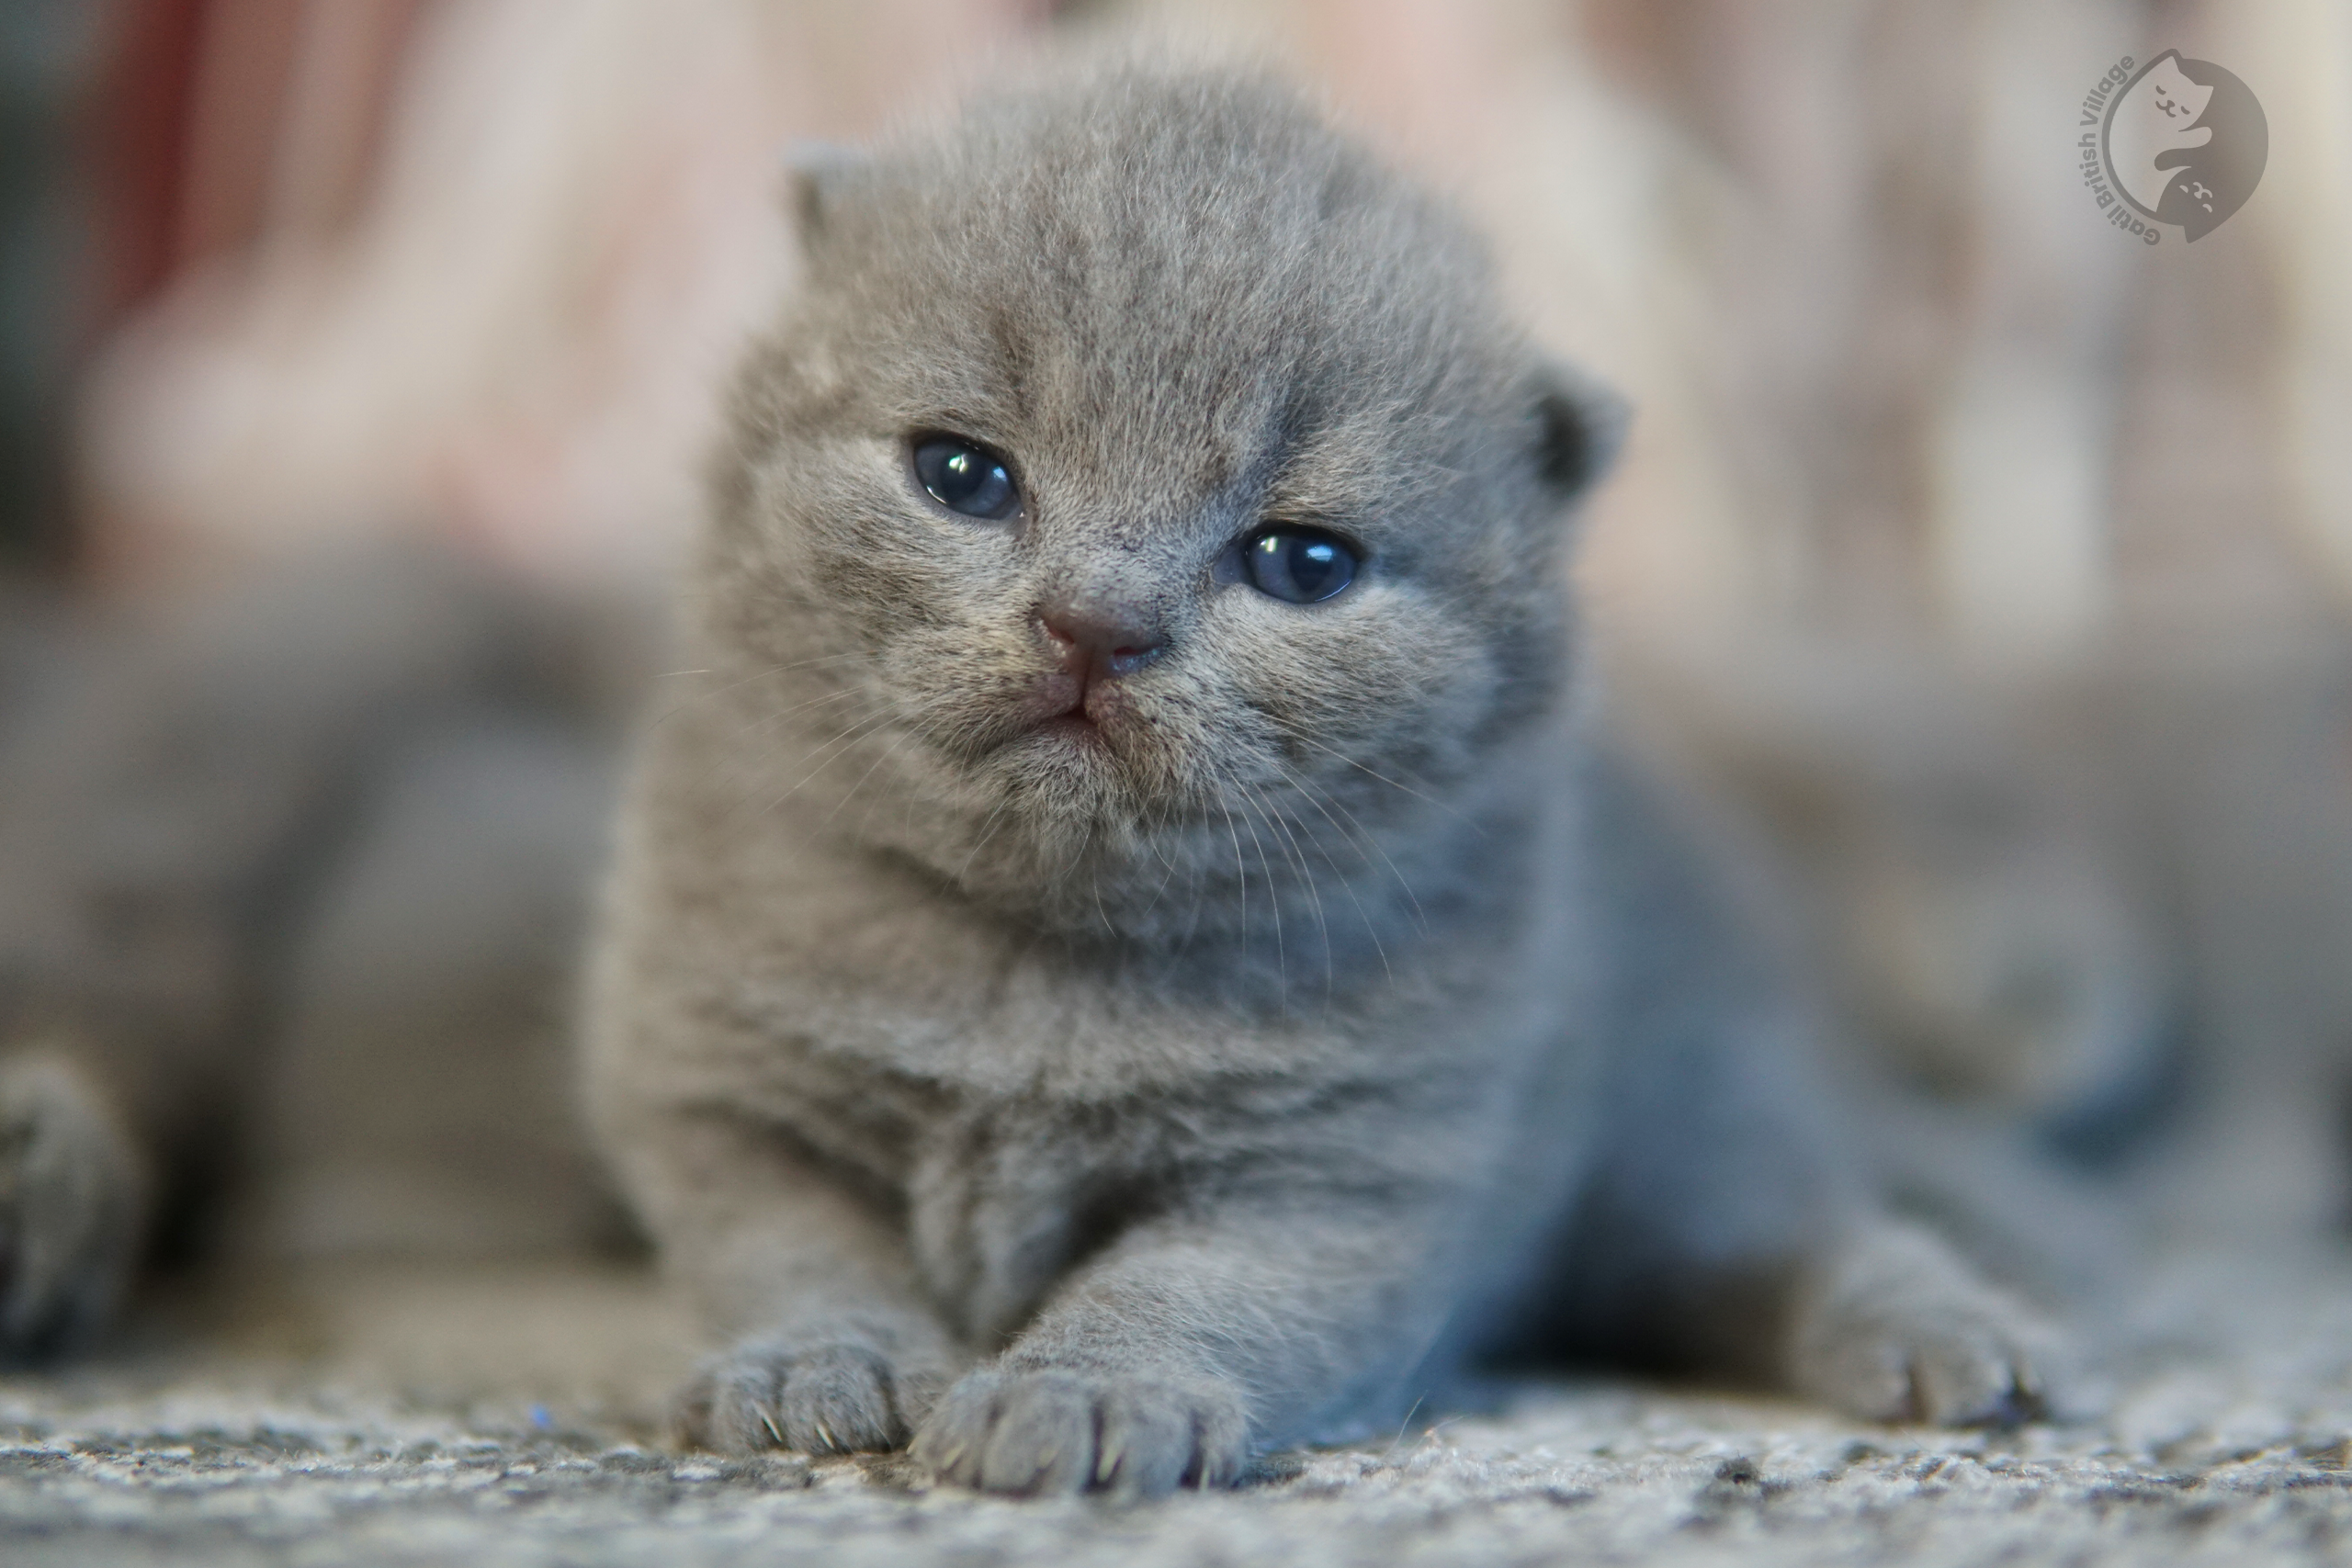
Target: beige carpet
(490,1418)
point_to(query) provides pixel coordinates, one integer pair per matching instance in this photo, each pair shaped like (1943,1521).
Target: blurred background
(1989,569)
(276,270)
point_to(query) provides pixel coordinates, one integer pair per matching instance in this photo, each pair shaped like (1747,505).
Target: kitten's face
(1171,515)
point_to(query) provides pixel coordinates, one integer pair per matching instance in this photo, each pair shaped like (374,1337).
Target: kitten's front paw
(810,1395)
(72,1206)
(1896,1328)
(1058,1431)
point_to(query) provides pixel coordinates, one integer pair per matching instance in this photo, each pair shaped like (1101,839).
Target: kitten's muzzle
(1093,646)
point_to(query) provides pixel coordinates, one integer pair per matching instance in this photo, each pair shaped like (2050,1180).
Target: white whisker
(1392,784)
(1363,837)
(837,746)
(1298,857)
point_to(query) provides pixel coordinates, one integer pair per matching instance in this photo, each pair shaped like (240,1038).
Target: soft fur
(291,875)
(1094,1107)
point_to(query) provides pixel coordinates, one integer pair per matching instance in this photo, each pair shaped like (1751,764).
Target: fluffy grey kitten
(291,874)
(1134,956)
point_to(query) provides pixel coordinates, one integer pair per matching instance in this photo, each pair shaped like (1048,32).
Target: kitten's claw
(1053,1431)
(72,1207)
(808,1394)
(1897,1329)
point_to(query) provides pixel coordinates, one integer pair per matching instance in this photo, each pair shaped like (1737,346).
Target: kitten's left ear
(1581,424)
(815,173)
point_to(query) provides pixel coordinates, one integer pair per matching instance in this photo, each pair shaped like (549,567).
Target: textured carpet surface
(492,1418)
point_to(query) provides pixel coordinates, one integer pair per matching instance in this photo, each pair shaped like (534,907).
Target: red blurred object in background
(217,121)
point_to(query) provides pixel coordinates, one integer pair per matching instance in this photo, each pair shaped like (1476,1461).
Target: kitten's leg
(832,1347)
(73,1204)
(1727,1222)
(1724,1229)
(1159,1363)
(1887,1323)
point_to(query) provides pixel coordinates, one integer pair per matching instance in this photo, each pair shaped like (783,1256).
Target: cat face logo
(2183,142)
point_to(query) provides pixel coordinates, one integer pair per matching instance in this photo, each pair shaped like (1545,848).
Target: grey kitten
(290,875)
(1134,957)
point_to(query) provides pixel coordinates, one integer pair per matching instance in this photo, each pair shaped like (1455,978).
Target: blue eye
(967,478)
(1301,565)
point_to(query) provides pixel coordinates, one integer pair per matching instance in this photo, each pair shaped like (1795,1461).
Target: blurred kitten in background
(2094,925)
(290,876)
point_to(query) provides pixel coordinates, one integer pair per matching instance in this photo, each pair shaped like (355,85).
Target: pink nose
(1102,641)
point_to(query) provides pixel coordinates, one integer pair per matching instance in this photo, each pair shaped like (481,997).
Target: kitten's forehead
(1168,285)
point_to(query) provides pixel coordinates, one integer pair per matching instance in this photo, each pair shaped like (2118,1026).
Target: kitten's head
(1144,506)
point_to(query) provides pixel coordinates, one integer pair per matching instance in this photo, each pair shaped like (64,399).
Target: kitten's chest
(1023,1106)
(999,1187)
(1004,1185)
(1001,1199)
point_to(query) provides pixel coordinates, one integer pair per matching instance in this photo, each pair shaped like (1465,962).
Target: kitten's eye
(1301,565)
(967,478)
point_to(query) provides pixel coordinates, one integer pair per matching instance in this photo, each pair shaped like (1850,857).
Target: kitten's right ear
(815,173)
(1581,425)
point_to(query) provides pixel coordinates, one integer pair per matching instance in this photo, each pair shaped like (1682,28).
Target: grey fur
(1341,1009)
(291,878)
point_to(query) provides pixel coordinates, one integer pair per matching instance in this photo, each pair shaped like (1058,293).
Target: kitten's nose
(1102,639)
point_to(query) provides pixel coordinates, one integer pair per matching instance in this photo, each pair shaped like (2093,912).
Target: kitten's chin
(1094,754)
(1071,728)
(1064,798)
(1068,770)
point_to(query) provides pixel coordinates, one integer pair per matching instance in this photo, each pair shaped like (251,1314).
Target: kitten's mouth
(1070,706)
(1081,720)
(1073,725)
